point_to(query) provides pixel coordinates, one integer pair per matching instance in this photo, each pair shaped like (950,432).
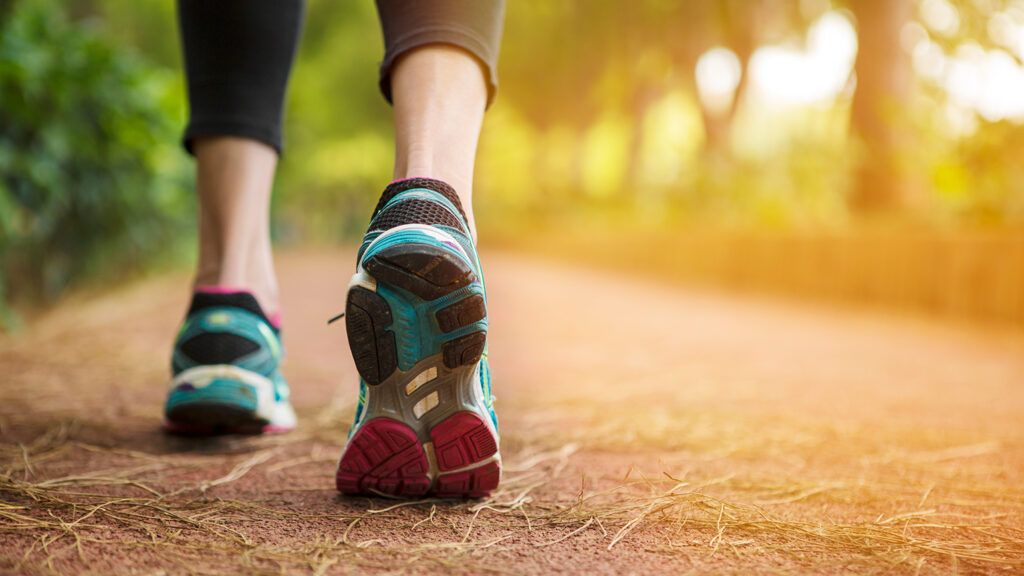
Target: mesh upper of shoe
(415,211)
(227,329)
(390,213)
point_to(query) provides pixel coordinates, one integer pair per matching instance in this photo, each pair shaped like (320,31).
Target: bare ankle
(263,288)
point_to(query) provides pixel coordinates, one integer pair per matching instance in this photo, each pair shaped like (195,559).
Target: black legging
(238,54)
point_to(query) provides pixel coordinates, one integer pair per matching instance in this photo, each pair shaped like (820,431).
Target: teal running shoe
(225,369)
(416,317)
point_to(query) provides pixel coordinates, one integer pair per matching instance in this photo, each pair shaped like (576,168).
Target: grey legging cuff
(239,54)
(473,25)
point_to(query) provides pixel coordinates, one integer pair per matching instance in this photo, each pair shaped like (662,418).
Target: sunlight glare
(785,75)
(718,74)
(988,81)
(1007,29)
(940,16)
(929,60)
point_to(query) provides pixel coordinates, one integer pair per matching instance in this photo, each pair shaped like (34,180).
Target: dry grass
(129,504)
(689,481)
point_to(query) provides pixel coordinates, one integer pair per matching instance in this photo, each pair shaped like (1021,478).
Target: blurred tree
(90,168)
(551,70)
(566,64)
(734,25)
(590,88)
(880,102)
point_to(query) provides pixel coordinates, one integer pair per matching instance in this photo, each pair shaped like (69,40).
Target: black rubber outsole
(426,271)
(211,419)
(462,313)
(367,319)
(429,273)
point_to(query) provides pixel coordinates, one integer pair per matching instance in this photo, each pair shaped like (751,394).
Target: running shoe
(225,369)
(416,318)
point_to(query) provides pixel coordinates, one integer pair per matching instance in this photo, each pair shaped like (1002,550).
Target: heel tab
(398,186)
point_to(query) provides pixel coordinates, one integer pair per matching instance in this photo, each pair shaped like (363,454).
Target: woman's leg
(238,56)
(439,71)
(439,95)
(416,311)
(233,180)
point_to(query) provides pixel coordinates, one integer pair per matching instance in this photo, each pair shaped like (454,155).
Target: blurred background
(867,151)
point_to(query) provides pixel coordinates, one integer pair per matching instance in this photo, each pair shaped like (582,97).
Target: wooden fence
(977,275)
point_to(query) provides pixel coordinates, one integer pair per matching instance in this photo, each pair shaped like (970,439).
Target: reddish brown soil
(646,429)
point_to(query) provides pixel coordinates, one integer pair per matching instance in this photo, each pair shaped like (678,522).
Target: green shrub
(92,180)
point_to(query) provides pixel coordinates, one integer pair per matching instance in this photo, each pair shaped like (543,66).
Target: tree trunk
(879,103)
(739,28)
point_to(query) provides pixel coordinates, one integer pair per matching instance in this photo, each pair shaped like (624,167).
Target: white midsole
(427,229)
(263,387)
(362,280)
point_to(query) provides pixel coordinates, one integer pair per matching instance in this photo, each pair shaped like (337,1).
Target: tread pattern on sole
(464,350)
(462,313)
(426,271)
(367,318)
(384,457)
(462,440)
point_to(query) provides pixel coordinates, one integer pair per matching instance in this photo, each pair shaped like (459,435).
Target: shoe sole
(425,430)
(214,400)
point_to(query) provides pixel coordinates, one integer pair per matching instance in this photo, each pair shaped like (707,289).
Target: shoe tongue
(202,300)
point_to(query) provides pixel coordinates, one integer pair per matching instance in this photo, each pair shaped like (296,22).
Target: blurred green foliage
(338,133)
(599,119)
(91,178)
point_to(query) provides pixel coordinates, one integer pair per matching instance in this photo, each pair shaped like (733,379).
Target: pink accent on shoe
(277,429)
(275,320)
(179,429)
(410,178)
(384,457)
(462,439)
(220,289)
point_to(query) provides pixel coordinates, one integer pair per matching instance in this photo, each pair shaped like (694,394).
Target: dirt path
(646,430)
